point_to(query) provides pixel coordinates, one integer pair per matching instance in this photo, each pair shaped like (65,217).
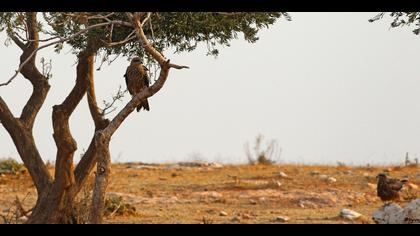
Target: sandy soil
(233,194)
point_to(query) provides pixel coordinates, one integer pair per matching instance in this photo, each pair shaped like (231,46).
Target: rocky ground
(212,193)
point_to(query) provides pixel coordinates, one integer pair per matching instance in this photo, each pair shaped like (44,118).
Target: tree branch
(127,39)
(165,65)
(62,40)
(31,73)
(17,41)
(66,145)
(26,147)
(20,129)
(6,115)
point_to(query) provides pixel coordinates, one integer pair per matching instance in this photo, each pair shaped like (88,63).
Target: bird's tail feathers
(144,104)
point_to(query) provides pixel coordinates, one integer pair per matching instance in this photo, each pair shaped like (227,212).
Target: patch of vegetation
(268,155)
(10,166)
(83,203)
(115,205)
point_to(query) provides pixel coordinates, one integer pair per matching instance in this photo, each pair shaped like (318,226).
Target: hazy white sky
(328,86)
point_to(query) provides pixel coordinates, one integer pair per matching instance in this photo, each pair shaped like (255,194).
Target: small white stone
(412,186)
(323,177)
(262,199)
(277,183)
(331,180)
(253,202)
(349,214)
(223,213)
(23,219)
(216,165)
(282,219)
(282,174)
(371,186)
(235,219)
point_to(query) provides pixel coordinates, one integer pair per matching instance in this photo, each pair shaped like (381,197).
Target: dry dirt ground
(233,194)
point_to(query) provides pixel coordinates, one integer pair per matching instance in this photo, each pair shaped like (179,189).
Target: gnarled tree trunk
(56,195)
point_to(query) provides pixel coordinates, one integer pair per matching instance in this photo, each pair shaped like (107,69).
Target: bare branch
(61,40)
(17,41)
(149,14)
(109,106)
(106,17)
(165,66)
(175,66)
(129,37)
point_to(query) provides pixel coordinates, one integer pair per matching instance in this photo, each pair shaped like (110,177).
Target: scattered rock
(371,186)
(412,186)
(282,175)
(277,183)
(331,180)
(282,219)
(349,214)
(307,204)
(412,212)
(323,177)
(366,175)
(173,175)
(253,202)
(246,216)
(236,219)
(223,213)
(200,164)
(23,219)
(389,170)
(390,214)
(262,199)
(216,165)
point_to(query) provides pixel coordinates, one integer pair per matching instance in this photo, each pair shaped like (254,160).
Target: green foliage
(401,19)
(116,205)
(10,166)
(181,31)
(178,31)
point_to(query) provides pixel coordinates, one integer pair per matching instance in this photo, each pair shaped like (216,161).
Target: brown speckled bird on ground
(137,79)
(388,189)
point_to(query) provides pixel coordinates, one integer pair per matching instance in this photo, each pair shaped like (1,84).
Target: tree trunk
(53,207)
(102,177)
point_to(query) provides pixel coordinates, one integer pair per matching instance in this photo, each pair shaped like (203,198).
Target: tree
(90,35)
(400,19)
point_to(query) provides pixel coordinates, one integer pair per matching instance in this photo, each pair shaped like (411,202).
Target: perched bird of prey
(137,79)
(388,189)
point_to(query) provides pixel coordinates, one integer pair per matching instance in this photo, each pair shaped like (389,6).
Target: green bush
(10,166)
(116,205)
